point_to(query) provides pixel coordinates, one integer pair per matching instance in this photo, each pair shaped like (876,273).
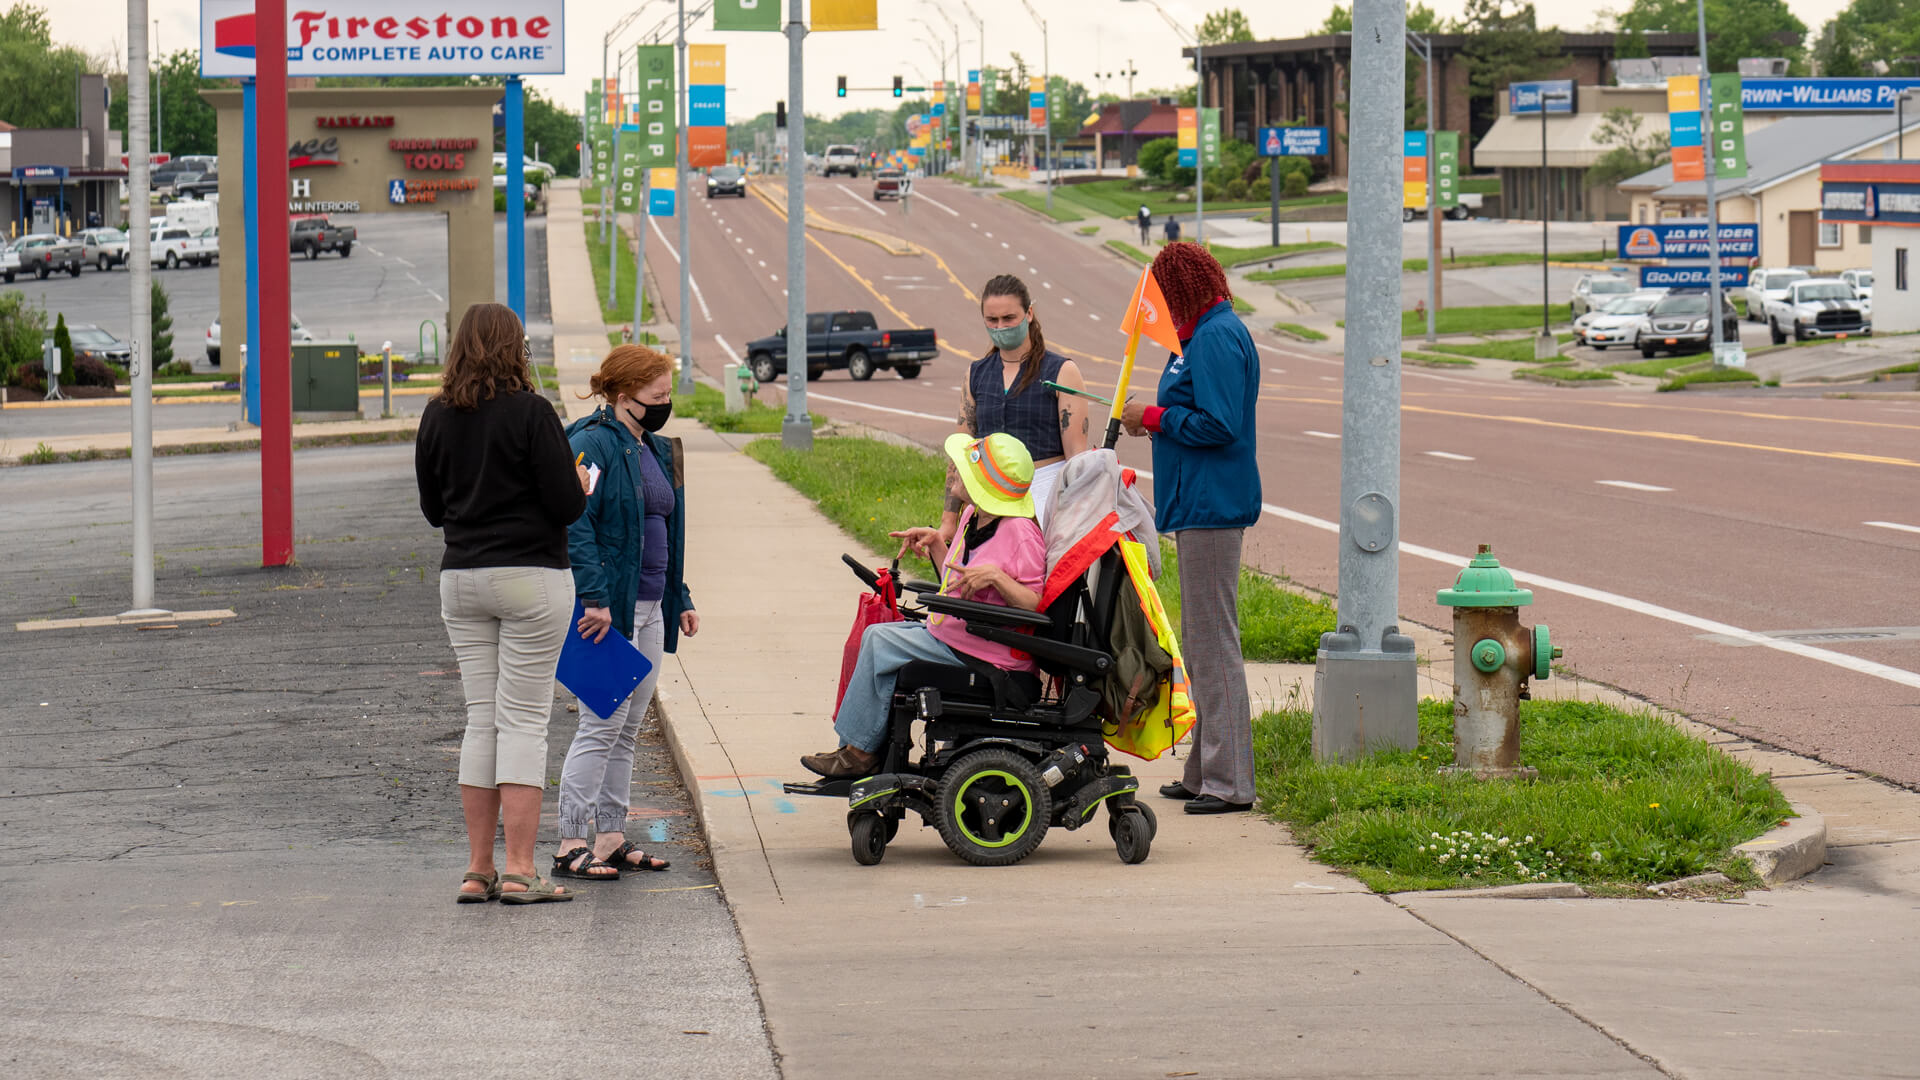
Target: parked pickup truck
(846,339)
(314,235)
(1470,204)
(1815,308)
(45,253)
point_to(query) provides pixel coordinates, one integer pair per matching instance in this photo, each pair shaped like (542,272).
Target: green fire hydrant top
(1485,583)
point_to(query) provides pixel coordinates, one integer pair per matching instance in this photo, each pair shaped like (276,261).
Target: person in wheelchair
(999,557)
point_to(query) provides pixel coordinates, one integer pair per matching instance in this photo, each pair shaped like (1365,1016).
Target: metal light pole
(684,208)
(1046,79)
(140,365)
(1424,47)
(959,82)
(607,90)
(796,431)
(980,32)
(160,88)
(1364,682)
(1714,324)
(1199,118)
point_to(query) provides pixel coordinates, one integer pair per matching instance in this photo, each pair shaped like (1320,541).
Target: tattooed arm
(1073,411)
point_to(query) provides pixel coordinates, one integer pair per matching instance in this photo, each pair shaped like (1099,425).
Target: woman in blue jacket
(628,552)
(1206,483)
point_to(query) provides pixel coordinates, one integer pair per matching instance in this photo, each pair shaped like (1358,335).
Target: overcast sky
(1088,37)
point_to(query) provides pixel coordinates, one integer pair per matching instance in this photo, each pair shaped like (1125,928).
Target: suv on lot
(1594,290)
(841,158)
(1678,324)
(1768,284)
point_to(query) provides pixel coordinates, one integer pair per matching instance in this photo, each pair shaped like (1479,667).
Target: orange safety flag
(1148,309)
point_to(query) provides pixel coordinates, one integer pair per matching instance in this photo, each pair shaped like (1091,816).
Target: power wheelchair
(1005,757)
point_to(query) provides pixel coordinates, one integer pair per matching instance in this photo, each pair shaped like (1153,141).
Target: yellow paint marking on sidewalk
(123,620)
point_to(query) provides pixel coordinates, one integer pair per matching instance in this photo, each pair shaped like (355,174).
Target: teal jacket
(604,543)
(1206,474)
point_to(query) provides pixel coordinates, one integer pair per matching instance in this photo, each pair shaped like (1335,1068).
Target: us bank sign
(392,37)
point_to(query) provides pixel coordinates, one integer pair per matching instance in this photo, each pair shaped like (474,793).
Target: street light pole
(980,32)
(684,212)
(1714,325)
(1046,79)
(959,82)
(140,365)
(796,431)
(160,95)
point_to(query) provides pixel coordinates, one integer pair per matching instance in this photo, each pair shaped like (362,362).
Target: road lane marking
(1023,258)
(1004,244)
(1067,300)
(856,198)
(988,235)
(376,252)
(1893,525)
(929,199)
(723,344)
(1046,284)
(763,262)
(691,280)
(1320,434)
(1447,456)
(403,262)
(1278,371)
(811,396)
(1631,486)
(749,251)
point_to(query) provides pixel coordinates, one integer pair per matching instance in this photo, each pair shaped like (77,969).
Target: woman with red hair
(1207,484)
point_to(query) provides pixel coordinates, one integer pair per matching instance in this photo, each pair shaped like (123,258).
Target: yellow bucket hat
(997,470)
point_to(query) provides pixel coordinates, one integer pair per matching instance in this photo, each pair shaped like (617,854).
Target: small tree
(162,330)
(23,330)
(64,342)
(1225,25)
(1630,151)
(1155,155)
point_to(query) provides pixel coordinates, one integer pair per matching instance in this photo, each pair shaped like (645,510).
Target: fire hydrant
(748,384)
(1493,657)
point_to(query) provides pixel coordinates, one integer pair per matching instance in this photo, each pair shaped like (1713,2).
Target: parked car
(1592,290)
(300,333)
(314,235)
(840,159)
(104,248)
(201,186)
(9,261)
(726,180)
(44,253)
(1617,321)
(1678,323)
(846,339)
(889,184)
(1862,282)
(1815,308)
(1768,284)
(203,247)
(169,246)
(91,341)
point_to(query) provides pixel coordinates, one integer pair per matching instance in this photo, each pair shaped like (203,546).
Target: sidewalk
(1228,953)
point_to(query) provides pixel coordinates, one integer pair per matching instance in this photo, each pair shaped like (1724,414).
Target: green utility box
(326,380)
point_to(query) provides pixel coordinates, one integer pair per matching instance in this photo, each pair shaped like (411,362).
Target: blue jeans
(884,650)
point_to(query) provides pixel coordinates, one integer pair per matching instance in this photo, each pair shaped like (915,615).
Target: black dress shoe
(1175,790)
(1214,804)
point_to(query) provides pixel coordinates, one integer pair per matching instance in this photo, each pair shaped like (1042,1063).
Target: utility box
(326,380)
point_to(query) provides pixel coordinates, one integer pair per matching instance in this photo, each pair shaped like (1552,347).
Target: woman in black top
(1006,393)
(496,473)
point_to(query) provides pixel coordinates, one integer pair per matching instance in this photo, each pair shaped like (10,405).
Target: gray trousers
(1220,761)
(596,783)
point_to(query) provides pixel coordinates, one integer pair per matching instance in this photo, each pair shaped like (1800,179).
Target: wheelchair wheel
(1115,813)
(994,808)
(870,835)
(1132,836)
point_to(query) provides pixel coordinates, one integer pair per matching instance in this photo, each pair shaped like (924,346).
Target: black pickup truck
(846,339)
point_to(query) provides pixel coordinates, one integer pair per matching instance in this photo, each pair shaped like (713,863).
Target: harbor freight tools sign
(1293,142)
(393,37)
(1870,204)
(1690,277)
(1688,240)
(1823,95)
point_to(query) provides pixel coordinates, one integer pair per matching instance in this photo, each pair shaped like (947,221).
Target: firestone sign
(393,37)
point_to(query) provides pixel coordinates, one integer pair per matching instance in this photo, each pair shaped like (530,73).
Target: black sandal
(618,857)
(563,866)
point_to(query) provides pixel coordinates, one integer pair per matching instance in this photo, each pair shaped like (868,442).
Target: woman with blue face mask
(1006,394)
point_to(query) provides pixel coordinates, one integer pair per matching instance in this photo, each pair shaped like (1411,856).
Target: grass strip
(1233,256)
(1122,199)
(1487,319)
(1505,258)
(1130,251)
(1711,375)
(1088,230)
(709,406)
(1563,373)
(1427,359)
(1304,333)
(622,310)
(1059,211)
(1623,799)
(1479,185)
(1515,351)
(1902,369)
(1656,367)
(1241,307)
(870,488)
(1295,273)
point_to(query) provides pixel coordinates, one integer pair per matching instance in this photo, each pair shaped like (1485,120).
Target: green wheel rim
(1007,836)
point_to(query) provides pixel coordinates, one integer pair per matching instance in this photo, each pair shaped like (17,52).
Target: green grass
(1622,799)
(1295,273)
(709,406)
(1130,251)
(1656,367)
(1479,185)
(1505,258)
(1902,369)
(1436,359)
(1489,319)
(1122,199)
(1088,230)
(1563,373)
(1233,256)
(1516,351)
(622,310)
(1305,333)
(647,337)
(1711,375)
(1241,307)
(871,488)
(1061,210)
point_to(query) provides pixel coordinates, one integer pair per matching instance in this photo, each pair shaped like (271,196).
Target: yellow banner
(706,65)
(845,15)
(1413,194)
(1036,84)
(661,178)
(1187,127)
(1683,93)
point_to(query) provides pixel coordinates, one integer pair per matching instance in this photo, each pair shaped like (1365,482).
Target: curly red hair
(1190,278)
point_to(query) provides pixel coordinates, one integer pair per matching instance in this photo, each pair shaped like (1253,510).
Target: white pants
(507,624)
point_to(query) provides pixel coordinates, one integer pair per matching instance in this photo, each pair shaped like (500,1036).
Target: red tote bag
(876,607)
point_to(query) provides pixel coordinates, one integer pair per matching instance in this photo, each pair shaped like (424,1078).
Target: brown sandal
(538,890)
(490,888)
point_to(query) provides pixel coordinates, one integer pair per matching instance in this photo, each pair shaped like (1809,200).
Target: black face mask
(653,417)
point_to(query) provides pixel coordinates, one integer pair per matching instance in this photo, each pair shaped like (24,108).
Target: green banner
(1210,137)
(989,80)
(1446,169)
(626,193)
(653,107)
(602,138)
(746,15)
(1727,138)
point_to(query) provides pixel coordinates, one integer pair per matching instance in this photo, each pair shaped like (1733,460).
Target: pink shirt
(1016,547)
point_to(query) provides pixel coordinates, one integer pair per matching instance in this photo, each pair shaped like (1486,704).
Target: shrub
(83,372)
(1157,156)
(162,328)
(1216,193)
(1237,189)
(63,341)
(177,367)
(23,329)
(1294,185)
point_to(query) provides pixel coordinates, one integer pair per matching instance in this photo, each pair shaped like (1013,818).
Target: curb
(1790,851)
(1544,890)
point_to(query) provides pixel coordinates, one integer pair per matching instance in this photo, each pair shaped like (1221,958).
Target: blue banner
(1823,95)
(1884,204)
(1688,240)
(1037,100)
(1684,129)
(1413,144)
(706,105)
(1293,141)
(1690,277)
(1189,157)
(939,109)
(1553,96)
(660,201)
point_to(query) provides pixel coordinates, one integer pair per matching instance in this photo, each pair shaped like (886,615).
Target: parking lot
(395,279)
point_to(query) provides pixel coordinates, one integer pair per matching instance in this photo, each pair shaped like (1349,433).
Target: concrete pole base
(1364,702)
(730,388)
(797,434)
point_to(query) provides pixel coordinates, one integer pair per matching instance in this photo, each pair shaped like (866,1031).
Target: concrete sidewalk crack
(1550,999)
(747,796)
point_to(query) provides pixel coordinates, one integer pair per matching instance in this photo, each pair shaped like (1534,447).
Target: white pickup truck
(842,158)
(1469,205)
(203,247)
(1817,308)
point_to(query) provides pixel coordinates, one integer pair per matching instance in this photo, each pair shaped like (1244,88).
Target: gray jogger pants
(1220,761)
(596,783)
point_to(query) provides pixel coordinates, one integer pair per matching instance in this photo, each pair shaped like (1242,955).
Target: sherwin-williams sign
(1293,142)
(1551,96)
(1823,95)
(393,37)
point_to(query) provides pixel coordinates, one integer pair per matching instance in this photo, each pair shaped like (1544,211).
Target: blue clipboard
(603,675)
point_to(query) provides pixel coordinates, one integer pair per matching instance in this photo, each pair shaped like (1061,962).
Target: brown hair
(625,370)
(1008,285)
(1190,278)
(486,357)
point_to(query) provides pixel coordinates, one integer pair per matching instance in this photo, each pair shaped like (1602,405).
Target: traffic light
(896,86)
(779,114)
(842,88)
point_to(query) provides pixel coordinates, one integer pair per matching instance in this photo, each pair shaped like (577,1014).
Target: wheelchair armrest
(1077,657)
(992,614)
(922,587)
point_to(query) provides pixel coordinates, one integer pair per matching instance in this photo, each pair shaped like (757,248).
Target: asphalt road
(395,279)
(1715,552)
(230,847)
